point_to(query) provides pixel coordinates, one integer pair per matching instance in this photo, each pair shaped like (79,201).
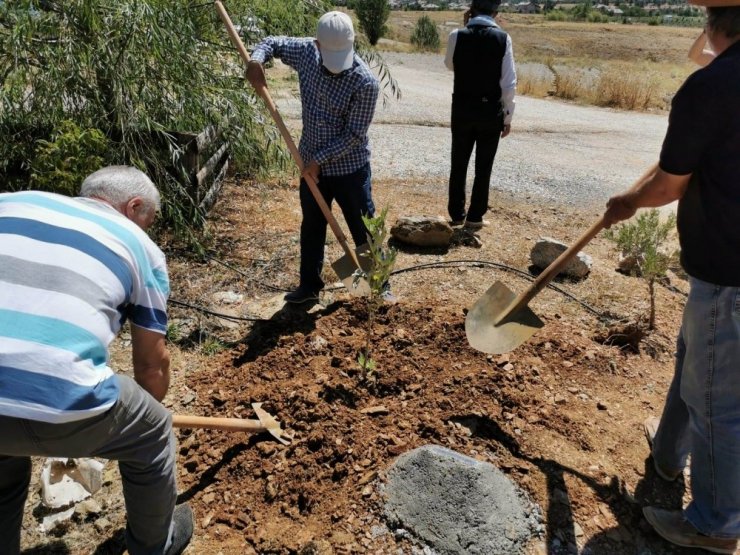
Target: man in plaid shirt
(338,94)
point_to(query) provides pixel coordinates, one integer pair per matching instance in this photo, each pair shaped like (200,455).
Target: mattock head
(270,423)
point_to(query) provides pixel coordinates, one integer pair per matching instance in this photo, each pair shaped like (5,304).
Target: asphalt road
(558,151)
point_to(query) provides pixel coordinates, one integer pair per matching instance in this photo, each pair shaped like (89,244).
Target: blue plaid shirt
(337,109)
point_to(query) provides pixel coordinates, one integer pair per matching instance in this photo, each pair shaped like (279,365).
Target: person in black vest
(482,58)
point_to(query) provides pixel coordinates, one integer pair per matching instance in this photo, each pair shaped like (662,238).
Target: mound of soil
(429,387)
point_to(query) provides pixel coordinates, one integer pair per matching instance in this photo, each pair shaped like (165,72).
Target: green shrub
(425,35)
(642,240)
(60,165)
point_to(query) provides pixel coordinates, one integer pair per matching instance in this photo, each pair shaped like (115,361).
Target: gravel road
(575,155)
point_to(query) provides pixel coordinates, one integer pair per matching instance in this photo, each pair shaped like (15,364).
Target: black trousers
(485,136)
(353,193)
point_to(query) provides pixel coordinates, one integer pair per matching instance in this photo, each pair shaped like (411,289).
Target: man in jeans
(338,95)
(72,270)
(482,58)
(700,167)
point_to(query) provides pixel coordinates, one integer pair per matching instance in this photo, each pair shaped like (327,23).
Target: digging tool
(349,265)
(265,423)
(500,320)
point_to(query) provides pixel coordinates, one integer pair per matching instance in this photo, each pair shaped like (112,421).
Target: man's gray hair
(726,20)
(119,184)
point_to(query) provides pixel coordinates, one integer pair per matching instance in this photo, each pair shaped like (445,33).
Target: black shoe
(182,529)
(301,295)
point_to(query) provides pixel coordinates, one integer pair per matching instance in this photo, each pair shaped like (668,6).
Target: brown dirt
(560,415)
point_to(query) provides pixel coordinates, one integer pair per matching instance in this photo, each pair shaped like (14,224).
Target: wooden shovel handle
(208,423)
(553,269)
(265,95)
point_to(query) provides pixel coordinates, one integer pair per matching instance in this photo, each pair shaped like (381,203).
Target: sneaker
(456,223)
(650,427)
(672,526)
(182,529)
(388,297)
(477,225)
(301,295)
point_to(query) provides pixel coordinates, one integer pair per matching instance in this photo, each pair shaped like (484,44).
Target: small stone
(422,231)
(368,477)
(577,530)
(102,524)
(559,400)
(88,507)
(601,405)
(546,250)
(207,520)
(375,411)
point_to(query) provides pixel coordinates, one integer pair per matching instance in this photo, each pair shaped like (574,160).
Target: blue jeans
(702,411)
(136,431)
(353,193)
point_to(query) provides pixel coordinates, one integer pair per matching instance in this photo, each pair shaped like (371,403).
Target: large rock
(546,250)
(422,231)
(457,505)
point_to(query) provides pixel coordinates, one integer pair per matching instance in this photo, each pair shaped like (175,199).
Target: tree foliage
(133,71)
(425,35)
(372,15)
(381,259)
(643,240)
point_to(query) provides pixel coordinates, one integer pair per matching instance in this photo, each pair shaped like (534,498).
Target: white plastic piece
(50,522)
(68,481)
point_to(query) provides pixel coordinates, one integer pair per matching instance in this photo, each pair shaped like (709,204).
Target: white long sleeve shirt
(508,71)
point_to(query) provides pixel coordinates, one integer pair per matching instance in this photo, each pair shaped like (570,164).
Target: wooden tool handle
(265,95)
(228,424)
(553,269)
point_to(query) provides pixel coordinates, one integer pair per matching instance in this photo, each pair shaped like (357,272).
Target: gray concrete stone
(455,504)
(422,231)
(546,250)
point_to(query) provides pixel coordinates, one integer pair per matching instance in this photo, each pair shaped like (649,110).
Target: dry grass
(533,83)
(620,89)
(590,56)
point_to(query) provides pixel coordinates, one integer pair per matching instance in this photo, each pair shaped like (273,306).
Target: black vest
(479,51)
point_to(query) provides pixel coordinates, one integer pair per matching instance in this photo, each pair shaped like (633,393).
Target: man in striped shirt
(338,96)
(72,271)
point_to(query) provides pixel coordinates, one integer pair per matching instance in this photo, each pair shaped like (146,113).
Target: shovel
(348,268)
(500,320)
(265,423)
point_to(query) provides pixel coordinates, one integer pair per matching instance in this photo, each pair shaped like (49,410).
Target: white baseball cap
(336,38)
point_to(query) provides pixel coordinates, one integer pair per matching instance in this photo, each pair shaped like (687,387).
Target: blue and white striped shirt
(337,109)
(72,270)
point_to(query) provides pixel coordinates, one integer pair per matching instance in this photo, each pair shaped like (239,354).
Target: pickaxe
(265,423)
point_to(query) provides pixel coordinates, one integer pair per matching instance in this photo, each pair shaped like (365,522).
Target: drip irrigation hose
(218,314)
(500,266)
(244,274)
(417,267)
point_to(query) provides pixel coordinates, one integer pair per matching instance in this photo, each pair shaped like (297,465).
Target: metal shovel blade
(508,334)
(346,270)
